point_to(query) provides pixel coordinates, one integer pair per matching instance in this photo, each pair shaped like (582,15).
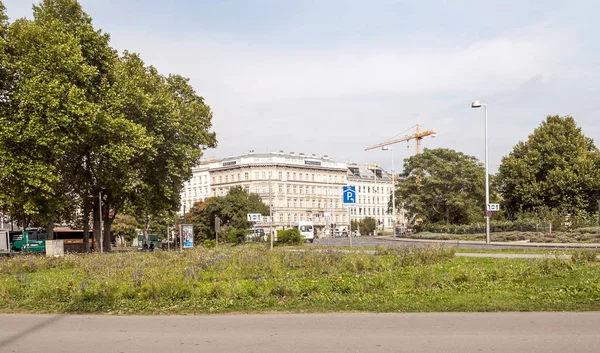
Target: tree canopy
(450,188)
(232,209)
(79,120)
(558,168)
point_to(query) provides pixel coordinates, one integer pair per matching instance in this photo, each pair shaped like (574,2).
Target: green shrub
(236,236)
(209,243)
(289,237)
(583,256)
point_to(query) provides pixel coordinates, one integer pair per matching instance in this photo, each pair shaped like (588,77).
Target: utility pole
(181,231)
(271,213)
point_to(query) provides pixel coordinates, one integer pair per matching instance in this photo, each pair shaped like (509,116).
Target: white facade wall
(302,187)
(373,193)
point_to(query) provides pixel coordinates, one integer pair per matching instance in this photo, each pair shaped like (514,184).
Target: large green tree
(78,121)
(557,168)
(232,209)
(443,186)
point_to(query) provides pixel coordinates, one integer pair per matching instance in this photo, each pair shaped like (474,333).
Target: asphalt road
(389,241)
(450,332)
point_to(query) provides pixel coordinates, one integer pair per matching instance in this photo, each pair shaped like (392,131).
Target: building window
(246,176)
(313,177)
(238,177)
(264,189)
(220,180)
(301,189)
(281,188)
(295,189)
(281,217)
(226,178)
(288,188)
(264,175)
(294,176)
(256,175)
(288,175)
(280,175)
(289,203)
(313,190)
(295,203)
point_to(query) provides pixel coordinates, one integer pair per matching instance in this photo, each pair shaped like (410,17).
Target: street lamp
(477,104)
(386,148)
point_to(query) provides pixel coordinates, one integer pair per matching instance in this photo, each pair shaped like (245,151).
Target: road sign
(494,207)
(488,213)
(254,217)
(349,193)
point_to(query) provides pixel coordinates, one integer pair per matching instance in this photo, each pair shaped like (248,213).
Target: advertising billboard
(187,234)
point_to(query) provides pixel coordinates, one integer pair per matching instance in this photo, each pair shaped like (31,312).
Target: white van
(307,230)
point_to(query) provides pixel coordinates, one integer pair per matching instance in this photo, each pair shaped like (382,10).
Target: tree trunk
(96,218)
(86,226)
(50,230)
(107,222)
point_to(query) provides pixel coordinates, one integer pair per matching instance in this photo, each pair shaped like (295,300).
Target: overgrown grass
(252,279)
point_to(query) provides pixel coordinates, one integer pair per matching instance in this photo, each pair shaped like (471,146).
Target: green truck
(29,240)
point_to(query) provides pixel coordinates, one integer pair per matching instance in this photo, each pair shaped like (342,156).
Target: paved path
(275,333)
(404,242)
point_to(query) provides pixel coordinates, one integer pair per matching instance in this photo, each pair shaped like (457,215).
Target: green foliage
(451,187)
(232,208)
(125,226)
(250,279)
(367,225)
(77,120)
(583,256)
(235,235)
(557,168)
(289,237)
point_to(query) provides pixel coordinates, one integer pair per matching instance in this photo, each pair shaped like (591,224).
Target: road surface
(399,242)
(275,333)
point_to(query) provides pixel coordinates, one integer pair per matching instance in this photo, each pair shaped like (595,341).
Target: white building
(373,193)
(197,188)
(302,187)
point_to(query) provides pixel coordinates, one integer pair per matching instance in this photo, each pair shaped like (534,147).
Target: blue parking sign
(349,193)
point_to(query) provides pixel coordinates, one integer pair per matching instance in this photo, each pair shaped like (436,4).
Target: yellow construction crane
(417,136)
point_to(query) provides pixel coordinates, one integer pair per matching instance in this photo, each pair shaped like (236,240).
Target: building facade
(198,187)
(373,192)
(299,187)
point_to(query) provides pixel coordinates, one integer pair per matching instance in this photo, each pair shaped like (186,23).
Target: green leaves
(556,168)
(450,188)
(77,119)
(232,209)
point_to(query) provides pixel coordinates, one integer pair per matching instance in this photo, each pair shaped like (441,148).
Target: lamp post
(477,104)
(387,148)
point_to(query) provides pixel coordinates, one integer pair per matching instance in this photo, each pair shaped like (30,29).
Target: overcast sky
(333,77)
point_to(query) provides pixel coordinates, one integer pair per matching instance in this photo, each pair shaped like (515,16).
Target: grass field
(253,279)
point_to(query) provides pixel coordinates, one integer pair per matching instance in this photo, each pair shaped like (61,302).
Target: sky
(332,77)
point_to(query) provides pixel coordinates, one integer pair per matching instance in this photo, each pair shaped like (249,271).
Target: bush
(236,236)
(289,237)
(582,256)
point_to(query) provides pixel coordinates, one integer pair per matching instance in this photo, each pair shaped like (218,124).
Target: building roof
(361,172)
(291,158)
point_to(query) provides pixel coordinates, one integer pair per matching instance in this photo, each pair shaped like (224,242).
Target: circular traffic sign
(488,213)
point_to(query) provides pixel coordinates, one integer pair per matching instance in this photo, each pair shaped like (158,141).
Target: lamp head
(385,148)
(476,104)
